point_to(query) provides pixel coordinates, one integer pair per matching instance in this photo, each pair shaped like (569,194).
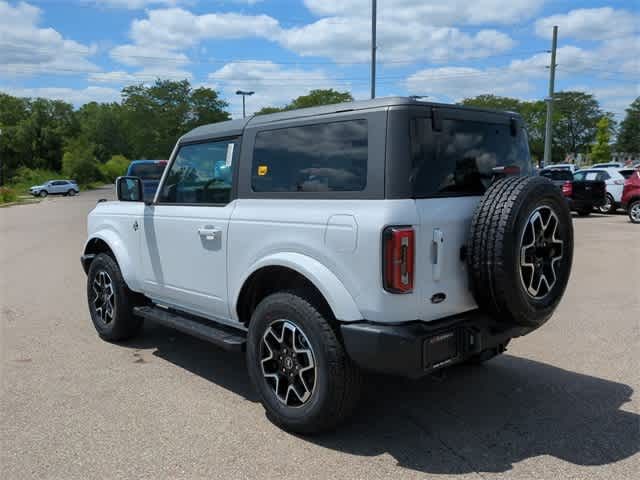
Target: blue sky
(83,50)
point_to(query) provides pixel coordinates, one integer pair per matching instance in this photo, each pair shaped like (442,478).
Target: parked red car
(631,196)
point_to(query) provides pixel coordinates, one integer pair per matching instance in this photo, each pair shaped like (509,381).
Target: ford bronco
(389,235)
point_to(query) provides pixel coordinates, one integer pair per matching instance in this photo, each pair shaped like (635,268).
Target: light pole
(244,94)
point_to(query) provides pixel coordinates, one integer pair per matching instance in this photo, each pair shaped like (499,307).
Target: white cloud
(432,12)
(26,49)
(273,85)
(75,96)
(518,78)
(146,75)
(135,4)
(178,28)
(590,24)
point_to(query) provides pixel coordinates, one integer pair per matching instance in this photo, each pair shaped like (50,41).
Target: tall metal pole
(244,112)
(244,93)
(552,78)
(373,47)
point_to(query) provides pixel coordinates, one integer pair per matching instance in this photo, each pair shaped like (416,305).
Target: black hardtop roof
(233,128)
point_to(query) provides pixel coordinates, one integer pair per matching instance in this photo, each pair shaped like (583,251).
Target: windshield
(147,171)
(461,159)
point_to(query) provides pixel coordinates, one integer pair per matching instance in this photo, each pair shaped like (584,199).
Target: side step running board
(222,336)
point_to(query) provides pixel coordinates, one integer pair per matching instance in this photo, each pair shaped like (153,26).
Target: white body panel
(335,244)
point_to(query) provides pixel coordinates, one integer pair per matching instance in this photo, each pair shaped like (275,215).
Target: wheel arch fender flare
(328,284)
(117,247)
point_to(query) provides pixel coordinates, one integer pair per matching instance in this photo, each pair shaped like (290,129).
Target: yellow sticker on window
(262,170)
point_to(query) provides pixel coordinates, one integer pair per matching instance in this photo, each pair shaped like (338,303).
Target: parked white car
(389,235)
(607,165)
(614,181)
(55,187)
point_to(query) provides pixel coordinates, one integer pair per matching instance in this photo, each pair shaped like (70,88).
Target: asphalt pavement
(562,403)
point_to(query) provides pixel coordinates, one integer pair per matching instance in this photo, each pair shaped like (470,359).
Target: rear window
(461,158)
(557,174)
(626,173)
(328,157)
(590,175)
(147,171)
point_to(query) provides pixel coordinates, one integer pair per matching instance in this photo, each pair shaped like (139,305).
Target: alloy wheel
(634,212)
(105,297)
(288,363)
(606,208)
(540,252)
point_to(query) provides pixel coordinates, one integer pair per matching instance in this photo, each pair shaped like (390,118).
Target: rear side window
(327,157)
(461,158)
(557,175)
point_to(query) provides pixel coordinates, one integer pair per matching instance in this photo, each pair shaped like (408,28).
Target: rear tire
(520,250)
(634,211)
(585,212)
(110,301)
(71,192)
(609,205)
(296,397)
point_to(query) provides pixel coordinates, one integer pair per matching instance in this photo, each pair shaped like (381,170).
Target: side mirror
(129,189)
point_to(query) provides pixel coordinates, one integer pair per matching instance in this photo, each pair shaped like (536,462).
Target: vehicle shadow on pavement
(487,418)
(472,419)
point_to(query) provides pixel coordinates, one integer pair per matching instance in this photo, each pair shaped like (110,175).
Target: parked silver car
(55,187)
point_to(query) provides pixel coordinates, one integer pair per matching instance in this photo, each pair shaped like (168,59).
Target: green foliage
(315,98)
(629,134)
(79,161)
(575,121)
(145,124)
(114,168)
(8,195)
(155,116)
(25,177)
(601,151)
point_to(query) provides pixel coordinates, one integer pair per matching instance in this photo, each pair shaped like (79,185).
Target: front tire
(634,211)
(110,301)
(43,193)
(306,381)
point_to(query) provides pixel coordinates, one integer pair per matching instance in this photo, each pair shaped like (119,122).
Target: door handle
(438,243)
(209,233)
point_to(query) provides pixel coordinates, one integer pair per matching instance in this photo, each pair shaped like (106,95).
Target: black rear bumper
(416,348)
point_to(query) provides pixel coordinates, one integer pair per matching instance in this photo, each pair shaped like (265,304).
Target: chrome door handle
(209,233)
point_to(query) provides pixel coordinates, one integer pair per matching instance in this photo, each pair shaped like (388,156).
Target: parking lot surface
(562,403)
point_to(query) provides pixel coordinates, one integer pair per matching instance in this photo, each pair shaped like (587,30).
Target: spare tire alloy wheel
(288,363)
(520,250)
(540,252)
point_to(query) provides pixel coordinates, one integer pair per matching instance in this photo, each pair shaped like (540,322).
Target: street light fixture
(244,94)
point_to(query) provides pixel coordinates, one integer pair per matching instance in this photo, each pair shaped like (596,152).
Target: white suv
(390,235)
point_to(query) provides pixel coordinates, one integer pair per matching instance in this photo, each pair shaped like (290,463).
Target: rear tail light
(567,189)
(398,251)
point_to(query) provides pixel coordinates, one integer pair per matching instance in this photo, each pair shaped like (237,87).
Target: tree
(115,167)
(156,116)
(601,151)
(102,124)
(314,98)
(575,122)
(629,134)
(79,162)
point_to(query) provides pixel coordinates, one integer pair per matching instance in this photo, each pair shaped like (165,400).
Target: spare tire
(520,250)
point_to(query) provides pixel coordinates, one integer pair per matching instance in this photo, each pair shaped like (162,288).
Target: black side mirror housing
(129,189)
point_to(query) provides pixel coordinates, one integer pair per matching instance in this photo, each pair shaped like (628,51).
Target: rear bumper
(577,204)
(417,348)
